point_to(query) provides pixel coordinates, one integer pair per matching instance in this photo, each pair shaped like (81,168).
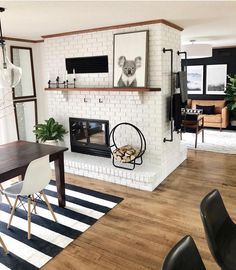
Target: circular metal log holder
(138,160)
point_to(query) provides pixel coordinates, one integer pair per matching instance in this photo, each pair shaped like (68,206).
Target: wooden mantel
(136,89)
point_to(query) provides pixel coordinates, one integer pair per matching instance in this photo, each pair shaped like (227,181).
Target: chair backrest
(214,217)
(190,117)
(184,256)
(37,176)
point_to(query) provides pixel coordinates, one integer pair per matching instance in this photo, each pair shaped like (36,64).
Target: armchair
(220,118)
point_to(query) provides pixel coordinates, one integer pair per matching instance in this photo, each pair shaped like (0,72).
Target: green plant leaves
(52,130)
(230,93)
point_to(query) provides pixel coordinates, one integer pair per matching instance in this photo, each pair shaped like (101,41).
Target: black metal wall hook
(184,67)
(171,95)
(167,50)
(180,53)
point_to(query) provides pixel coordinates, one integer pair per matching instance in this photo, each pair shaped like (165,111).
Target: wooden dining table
(16,156)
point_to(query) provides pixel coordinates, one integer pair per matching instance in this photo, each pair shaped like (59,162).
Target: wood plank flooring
(138,233)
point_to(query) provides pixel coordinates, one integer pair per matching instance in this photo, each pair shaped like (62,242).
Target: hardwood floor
(138,233)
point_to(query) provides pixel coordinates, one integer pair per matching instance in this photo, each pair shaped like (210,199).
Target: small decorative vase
(51,142)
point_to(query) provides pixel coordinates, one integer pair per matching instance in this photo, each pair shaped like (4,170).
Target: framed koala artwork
(130,59)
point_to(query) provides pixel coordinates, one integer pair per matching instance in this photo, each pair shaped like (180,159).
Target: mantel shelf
(141,89)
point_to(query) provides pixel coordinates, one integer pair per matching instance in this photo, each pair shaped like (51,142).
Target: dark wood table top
(19,154)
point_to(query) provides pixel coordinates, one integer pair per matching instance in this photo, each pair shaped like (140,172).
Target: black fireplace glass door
(90,136)
(96,132)
(89,132)
(80,132)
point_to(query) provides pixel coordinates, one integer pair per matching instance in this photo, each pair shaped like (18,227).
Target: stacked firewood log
(125,153)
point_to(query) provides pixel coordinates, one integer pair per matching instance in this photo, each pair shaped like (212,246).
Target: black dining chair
(192,123)
(184,256)
(220,230)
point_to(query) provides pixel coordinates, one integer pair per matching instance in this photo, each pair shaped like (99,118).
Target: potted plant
(230,98)
(49,133)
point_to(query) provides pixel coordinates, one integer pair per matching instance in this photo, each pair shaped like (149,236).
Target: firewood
(125,153)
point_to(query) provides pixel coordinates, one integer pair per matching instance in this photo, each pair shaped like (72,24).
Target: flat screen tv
(91,64)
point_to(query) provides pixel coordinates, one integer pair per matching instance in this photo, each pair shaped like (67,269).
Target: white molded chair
(1,241)
(37,177)
(1,191)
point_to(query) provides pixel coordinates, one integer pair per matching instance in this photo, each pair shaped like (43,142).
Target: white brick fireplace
(148,111)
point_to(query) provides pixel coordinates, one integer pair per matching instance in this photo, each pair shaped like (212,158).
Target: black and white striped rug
(83,208)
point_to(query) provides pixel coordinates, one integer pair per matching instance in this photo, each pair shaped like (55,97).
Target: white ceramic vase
(51,142)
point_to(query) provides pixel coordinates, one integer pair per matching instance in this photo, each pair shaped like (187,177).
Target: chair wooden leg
(48,205)
(7,198)
(12,212)
(4,246)
(196,138)
(29,218)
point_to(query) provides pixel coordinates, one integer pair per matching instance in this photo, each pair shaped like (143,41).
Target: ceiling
(204,21)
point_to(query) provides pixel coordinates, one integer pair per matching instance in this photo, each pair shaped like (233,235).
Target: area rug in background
(215,141)
(83,208)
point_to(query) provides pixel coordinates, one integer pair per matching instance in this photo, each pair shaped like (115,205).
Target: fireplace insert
(90,136)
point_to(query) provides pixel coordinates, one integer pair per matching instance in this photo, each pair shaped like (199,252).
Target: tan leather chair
(218,120)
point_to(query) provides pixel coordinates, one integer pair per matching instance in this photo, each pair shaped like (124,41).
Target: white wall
(40,82)
(148,111)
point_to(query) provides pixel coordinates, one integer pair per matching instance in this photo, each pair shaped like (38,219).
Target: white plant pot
(233,123)
(51,142)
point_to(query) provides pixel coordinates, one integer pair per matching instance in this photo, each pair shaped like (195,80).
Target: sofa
(220,118)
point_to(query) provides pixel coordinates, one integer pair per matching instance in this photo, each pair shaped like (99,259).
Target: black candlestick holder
(57,83)
(67,84)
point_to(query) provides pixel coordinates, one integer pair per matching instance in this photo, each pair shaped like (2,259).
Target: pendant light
(10,74)
(198,50)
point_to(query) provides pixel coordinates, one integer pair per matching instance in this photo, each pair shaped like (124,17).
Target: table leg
(60,179)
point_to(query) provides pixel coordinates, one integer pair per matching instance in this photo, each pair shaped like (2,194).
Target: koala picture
(129,67)
(130,56)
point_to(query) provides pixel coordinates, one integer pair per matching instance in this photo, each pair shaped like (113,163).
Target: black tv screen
(91,64)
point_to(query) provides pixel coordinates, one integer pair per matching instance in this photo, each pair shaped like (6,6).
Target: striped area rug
(83,208)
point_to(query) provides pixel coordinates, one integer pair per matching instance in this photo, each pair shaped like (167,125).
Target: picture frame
(216,79)
(130,59)
(195,75)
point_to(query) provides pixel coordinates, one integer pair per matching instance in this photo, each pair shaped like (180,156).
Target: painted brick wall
(148,111)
